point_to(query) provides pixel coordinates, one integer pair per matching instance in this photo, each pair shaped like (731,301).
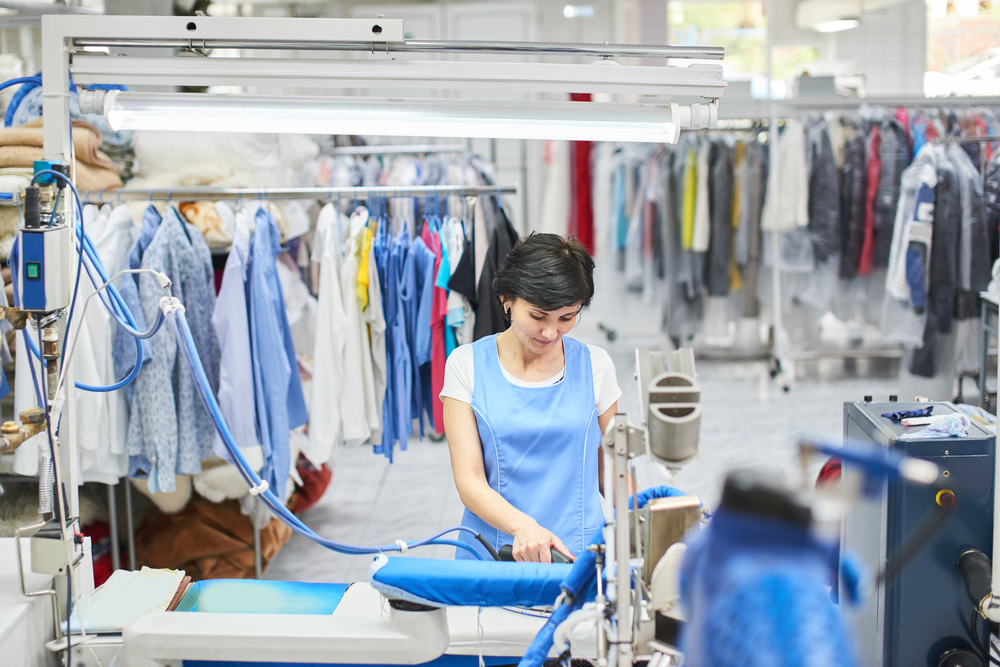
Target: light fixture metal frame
(65,37)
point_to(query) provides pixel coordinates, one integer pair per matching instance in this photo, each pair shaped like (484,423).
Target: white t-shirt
(460,377)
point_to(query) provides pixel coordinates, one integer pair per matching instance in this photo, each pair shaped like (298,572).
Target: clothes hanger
(184,223)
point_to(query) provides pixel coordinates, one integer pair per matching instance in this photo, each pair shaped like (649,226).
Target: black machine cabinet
(913,620)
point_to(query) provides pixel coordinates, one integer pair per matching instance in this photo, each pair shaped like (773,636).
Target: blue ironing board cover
(468,583)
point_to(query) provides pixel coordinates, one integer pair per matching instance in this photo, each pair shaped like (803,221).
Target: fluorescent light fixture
(837,25)
(656,123)
(578,11)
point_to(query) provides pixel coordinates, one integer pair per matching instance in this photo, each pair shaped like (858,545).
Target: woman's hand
(532,544)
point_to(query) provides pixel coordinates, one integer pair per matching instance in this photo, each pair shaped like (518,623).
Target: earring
(506,311)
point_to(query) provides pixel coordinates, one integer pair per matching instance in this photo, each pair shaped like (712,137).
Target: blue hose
(178,321)
(119,310)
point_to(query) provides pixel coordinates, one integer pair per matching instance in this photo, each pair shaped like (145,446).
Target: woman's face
(540,330)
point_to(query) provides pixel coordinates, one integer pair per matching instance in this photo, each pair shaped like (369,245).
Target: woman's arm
(531,541)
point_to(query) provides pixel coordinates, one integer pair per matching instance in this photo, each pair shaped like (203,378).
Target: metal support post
(58,147)
(257,567)
(130,527)
(116,556)
(622,542)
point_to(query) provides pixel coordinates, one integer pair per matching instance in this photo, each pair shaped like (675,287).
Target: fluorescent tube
(391,117)
(837,25)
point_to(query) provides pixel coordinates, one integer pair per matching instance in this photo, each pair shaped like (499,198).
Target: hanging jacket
(904,310)
(824,193)
(721,212)
(894,155)
(874,168)
(852,196)
(974,265)
(944,256)
(757,175)
(992,204)
(489,312)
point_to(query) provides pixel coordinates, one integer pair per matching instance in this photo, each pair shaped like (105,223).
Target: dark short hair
(548,271)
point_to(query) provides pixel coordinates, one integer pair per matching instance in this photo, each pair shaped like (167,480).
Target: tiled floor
(748,422)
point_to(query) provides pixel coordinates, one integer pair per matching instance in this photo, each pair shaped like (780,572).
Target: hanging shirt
(489,313)
(374,317)
(330,422)
(123,350)
(102,417)
(401,264)
(362,289)
(360,412)
(170,431)
(231,320)
(443,275)
(423,265)
(690,189)
(702,231)
(277,386)
(439,310)
(786,203)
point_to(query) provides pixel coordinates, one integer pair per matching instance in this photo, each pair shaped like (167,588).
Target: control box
(45,248)
(913,619)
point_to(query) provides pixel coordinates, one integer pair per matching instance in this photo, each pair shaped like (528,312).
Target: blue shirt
(279,400)
(123,351)
(422,259)
(170,432)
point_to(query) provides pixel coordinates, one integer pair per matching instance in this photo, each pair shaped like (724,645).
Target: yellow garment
(735,282)
(687,206)
(362,286)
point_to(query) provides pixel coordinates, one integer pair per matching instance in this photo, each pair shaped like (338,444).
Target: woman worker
(524,410)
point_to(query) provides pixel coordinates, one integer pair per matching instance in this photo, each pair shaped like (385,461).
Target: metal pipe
(426,46)
(216,194)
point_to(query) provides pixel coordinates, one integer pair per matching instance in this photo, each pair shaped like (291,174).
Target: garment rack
(199,193)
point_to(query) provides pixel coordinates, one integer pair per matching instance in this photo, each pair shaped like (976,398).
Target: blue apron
(540,447)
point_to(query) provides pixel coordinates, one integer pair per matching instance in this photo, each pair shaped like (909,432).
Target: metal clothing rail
(216,194)
(399,149)
(425,46)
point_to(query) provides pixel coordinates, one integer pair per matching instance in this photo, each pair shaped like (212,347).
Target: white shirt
(460,377)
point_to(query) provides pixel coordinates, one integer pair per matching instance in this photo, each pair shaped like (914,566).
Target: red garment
(100,549)
(874,172)
(315,482)
(829,474)
(983,130)
(581,215)
(439,311)
(903,116)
